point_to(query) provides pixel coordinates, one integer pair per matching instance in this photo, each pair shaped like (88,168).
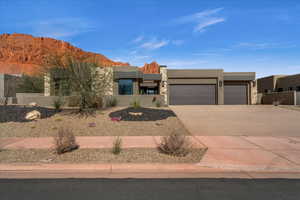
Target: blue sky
(236,35)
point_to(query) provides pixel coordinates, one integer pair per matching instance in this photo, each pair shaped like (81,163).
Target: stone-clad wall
(164,83)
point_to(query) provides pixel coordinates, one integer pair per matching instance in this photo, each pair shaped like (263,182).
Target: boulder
(33,104)
(33,115)
(135,113)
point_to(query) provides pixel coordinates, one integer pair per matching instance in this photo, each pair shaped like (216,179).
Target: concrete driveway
(225,120)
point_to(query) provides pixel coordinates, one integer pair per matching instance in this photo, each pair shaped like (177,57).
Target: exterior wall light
(220,83)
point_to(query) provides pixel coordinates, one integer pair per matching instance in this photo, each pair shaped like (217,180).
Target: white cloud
(62,27)
(202,19)
(183,63)
(252,45)
(154,44)
(138,39)
(208,22)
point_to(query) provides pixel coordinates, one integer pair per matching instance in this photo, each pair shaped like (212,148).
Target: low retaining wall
(40,100)
(284,98)
(72,101)
(145,100)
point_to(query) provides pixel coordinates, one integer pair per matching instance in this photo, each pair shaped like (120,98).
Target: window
(290,88)
(279,89)
(298,88)
(125,87)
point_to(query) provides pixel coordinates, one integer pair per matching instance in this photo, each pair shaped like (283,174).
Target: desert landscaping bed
(152,122)
(141,155)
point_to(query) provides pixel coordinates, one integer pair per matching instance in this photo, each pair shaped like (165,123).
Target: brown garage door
(192,94)
(235,94)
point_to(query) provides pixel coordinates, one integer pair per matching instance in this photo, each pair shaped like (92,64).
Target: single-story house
(278,83)
(179,86)
(279,89)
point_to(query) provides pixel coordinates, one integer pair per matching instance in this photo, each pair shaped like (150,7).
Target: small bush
(158,104)
(175,145)
(57,104)
(73,101)
(112,102)
(65,141)
(117,146)
(136,104)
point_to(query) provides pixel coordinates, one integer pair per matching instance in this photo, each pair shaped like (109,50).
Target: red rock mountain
(21,53)
(152,68)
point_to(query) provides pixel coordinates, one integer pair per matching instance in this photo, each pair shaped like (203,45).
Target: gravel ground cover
(152,122)
(97,156)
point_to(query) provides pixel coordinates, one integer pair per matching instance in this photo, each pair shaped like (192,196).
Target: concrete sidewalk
(251,153)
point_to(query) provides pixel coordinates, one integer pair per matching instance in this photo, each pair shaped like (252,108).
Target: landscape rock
(33,115)
(135,113)
(33,104)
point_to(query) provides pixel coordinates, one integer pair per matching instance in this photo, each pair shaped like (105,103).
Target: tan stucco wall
(288,81)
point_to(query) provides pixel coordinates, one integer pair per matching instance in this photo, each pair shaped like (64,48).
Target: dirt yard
(97,156)
(152,122)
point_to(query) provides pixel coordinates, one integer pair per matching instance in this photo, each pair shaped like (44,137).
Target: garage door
(192,94)
(235,94)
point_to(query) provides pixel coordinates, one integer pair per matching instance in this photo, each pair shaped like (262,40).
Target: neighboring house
(279,89)
(278,83)
(180,86)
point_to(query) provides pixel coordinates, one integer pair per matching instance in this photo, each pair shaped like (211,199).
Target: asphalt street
(131,189)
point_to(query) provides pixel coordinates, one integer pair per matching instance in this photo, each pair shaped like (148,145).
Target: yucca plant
(136,103)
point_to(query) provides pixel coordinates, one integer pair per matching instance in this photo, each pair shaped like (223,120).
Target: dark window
(298,88)
(290,88)
(125,87)
(279,89)
(145,90)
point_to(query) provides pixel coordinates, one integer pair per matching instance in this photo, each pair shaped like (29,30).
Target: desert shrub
(135,103)
(65,141)
(58,103)
(117,146)
(175,145)
(157,103)
(112,102)
(73,101)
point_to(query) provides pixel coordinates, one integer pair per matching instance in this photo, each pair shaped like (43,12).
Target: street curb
(23,171)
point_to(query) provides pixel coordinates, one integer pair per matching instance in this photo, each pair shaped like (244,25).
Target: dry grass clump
(65,141)
(117,146)
(175,145)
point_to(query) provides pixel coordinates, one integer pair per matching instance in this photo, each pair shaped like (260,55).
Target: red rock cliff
(152,68)
(21,53)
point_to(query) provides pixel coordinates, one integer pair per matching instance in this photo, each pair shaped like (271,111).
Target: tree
(85,79)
